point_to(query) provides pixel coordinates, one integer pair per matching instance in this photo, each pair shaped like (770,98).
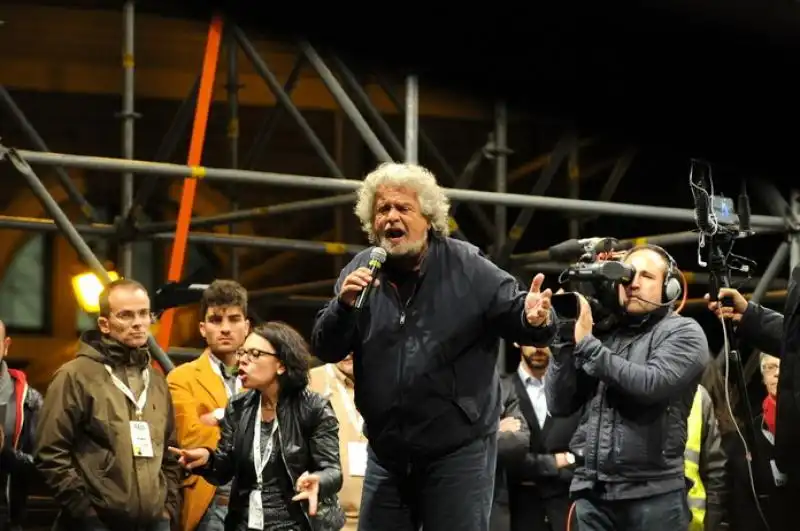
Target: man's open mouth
(394,234)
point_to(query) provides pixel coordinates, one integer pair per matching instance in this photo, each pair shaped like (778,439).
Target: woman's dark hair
(293,352)
(713,380)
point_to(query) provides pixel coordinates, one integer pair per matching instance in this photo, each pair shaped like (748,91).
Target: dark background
(702,78)
(678,79)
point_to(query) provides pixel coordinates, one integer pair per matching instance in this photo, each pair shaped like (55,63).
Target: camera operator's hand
(585,322)
(538,303)
(734,313)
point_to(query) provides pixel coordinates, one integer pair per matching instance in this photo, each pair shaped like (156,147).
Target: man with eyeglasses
(106,424)
(201,390)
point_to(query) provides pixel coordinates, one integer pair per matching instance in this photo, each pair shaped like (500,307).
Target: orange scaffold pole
(204,96)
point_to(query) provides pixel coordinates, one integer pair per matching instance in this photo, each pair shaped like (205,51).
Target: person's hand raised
(307,488)
(538,303)
(734,313)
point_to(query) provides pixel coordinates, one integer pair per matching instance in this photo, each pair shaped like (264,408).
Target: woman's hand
(192,458)
(308,489)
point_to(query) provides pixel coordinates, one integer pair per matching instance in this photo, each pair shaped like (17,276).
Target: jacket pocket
(674,432)
(637,443)
(100,460)
(468,407)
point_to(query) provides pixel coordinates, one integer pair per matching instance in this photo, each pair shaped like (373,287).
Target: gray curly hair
(432,200)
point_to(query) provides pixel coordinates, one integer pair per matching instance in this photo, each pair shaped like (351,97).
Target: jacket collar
(435,243)
(104,349)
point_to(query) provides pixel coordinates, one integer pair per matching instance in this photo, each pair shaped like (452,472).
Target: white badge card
(357,458)
(140,437)
(255,513)
(778,476)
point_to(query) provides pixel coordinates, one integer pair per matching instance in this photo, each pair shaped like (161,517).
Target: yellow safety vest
(694,441)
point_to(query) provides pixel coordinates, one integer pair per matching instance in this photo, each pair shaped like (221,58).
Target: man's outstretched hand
(192,458)
(538,303)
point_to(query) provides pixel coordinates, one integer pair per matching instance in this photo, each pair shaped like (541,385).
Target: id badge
(140,437)
(778,476)
(357,458)
(255,512)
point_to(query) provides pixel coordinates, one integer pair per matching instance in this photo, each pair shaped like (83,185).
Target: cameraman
(637,380)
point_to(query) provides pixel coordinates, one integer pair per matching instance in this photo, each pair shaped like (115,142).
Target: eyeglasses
(770,368)
(128,316)
(253,353)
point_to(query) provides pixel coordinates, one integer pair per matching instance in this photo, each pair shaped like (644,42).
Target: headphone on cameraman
(672,289)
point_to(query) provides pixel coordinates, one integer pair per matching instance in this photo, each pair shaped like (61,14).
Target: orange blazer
(196,389)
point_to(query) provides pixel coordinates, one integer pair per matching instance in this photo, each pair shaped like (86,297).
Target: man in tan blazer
(335,381)
(200,391)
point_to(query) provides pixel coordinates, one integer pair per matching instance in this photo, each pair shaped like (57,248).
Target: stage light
(87,287)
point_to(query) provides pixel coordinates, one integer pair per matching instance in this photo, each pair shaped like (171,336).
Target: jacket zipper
(403,310)
(132,415)
(596,456)
(403,307)
(289,472)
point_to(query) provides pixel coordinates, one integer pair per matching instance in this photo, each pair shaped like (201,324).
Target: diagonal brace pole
(560,153)
(345,103)
(72,191)
(165,150)
(270,124)
(349,79)
(274,85)
(619,170)
(74,238)
(480,216)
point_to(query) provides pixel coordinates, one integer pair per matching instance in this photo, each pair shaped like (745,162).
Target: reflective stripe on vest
(694,435)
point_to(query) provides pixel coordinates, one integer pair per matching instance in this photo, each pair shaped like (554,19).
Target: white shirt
(535,389)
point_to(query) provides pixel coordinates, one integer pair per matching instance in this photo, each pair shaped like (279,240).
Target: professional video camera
(595,274)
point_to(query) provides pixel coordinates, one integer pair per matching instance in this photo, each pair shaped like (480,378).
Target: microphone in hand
(357,286)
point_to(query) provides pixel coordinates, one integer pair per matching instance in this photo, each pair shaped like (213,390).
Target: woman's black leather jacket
(309,442)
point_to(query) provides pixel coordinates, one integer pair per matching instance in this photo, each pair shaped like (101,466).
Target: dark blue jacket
(637,384)
(426,381)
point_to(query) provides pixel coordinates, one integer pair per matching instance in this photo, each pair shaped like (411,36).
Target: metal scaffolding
(346,89)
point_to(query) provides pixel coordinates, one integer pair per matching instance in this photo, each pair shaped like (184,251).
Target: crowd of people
(407,425)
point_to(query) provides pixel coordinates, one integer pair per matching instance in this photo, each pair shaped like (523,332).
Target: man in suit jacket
(513,439)
(200,391)
(539,486)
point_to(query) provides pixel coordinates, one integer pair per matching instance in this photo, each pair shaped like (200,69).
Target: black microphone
(570,250)
(376,259)
(744,210)
(566,251)
(702,199)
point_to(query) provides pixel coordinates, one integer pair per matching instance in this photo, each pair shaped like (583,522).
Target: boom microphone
(570,250)
(376,259)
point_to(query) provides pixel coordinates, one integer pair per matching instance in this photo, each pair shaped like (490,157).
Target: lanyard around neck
(138,403)
(258,461)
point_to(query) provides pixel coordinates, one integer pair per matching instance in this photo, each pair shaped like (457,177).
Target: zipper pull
(402,318)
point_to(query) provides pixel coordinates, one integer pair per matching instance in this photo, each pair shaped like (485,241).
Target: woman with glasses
(279,442)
